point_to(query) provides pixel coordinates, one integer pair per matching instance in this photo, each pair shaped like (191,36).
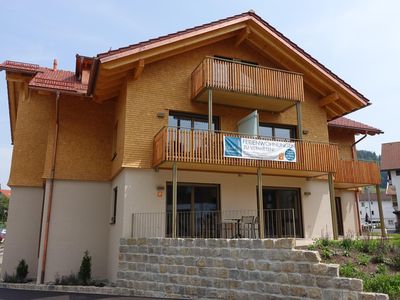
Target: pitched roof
(46,78)
(6,193)
(357,127)
(390,157)
(384,197)
(124,51)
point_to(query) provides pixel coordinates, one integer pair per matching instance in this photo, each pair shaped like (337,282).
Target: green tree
(3,209)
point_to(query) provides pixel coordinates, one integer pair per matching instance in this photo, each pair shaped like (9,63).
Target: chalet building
(390,162)
(225,130)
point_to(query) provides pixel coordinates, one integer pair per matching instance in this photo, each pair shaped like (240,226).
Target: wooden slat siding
(359,172)
(197,146)
(232,76)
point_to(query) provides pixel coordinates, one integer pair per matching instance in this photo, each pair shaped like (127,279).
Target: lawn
(372,259)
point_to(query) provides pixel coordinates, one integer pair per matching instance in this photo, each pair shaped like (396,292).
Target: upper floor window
(277,131)
(397,172)
(191,121)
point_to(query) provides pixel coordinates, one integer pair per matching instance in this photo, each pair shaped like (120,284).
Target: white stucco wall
(80,218)
(115,230)
(349,212)
(396,182)
(237,193)
(23,229)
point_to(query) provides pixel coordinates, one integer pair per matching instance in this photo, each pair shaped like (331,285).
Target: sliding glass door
(197,210)
(282,212)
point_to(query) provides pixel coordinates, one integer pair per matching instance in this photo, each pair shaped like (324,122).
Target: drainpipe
(51,188)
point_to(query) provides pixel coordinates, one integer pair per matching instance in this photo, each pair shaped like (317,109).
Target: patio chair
(248,225)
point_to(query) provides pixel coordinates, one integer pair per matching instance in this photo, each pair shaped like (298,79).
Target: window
(397,172)
(362,204)
(390,222)
(191,121)
(372,212)
(278,131)
(114,206)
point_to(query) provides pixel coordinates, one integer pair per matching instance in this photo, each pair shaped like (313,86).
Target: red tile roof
(390,156)
(6,193)
(46,78)
(59,80)
(221,21)
(355,126)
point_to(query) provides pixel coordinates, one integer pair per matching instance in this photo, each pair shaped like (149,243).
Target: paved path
(11,294)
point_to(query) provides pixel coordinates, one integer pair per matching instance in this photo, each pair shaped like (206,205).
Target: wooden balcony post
(381,216)
(260,203)
(333,206)
(174,198)
(210,117)
(299,124)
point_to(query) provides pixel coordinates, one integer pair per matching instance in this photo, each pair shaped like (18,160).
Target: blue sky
(358,40)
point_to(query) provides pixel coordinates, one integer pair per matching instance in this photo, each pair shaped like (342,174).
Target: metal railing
(215,224)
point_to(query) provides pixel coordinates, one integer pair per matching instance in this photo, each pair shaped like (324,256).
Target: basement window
(114,206)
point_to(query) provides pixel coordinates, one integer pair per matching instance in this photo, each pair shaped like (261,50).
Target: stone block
(268,244)
(285,243)
(314,293)
(298,291)
(329,294)
(324,282)
(312,256)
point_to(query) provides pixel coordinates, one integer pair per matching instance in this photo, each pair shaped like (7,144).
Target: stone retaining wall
(231,269)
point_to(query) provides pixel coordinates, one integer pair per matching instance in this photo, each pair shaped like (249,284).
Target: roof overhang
(337,97)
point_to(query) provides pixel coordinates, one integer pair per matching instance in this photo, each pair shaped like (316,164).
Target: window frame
(193,117)
(113,218)
(292,128)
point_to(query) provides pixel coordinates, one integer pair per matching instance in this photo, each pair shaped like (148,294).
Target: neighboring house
(369,210)
(6,193)
(390,162)
(224,130)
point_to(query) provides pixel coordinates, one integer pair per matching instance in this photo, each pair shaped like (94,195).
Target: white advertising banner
(253,148)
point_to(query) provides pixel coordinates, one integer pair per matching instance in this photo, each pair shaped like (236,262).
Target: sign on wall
(252,148)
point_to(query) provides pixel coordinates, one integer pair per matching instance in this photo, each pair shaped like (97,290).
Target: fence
(215,224)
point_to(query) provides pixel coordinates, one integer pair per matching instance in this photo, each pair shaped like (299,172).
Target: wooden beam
(17,77)
(171,49)
(242,36)
(328,99)
(138,70)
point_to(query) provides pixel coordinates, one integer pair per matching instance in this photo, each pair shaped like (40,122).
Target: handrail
(246,78)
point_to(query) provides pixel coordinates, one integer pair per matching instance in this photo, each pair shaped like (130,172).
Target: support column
(260,203)
(299,124)
(210,116)
(333,206)
(174,198)
(381,216)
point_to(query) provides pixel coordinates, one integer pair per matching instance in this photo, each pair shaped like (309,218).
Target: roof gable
(390,157)
(337,97)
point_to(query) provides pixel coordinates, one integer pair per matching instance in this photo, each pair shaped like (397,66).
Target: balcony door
(277,131)
(282,206)
(197,210)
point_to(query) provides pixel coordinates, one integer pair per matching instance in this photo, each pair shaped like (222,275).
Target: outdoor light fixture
(307,193)
(160,114)
(160,188)
(305,131)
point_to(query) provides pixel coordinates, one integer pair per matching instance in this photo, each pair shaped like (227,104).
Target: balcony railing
(215,224)
(172,144)
(357,172)
(246,78)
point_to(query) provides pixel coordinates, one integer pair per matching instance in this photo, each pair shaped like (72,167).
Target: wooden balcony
(246,85)
(203,150)
(354,173)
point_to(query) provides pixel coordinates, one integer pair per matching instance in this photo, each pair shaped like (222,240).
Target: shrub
(85,271)
(363,259)
(349,270)
(346,244)
(381,269)
(383,283)
(20,276)
(396,261)
(326,253)
(22,271)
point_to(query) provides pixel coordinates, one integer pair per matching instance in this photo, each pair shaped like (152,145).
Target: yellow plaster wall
(30,141)
(344,139)
(165,85)
(84,141)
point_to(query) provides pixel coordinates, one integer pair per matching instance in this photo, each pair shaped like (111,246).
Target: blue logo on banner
(290,154)
(233,146)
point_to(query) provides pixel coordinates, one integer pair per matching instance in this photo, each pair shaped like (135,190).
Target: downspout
(51,188)
(356,192)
